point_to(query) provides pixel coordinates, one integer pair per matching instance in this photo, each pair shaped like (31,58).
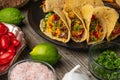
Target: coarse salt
(31,71)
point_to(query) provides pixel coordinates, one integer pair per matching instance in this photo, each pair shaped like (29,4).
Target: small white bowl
(32,69)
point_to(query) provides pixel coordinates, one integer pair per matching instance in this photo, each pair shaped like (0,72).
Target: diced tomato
(95,33)
(116,31)
(8,44)
(11,35)
(15,42)
(6,57)
(50,25)
(54,33)
(93,17)
(55,17)
(2,51)
(4,41)
(4,67)
(11,48)
(99,26)
(76,34)
(3,29)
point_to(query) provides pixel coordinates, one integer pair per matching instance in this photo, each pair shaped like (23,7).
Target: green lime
(45,52)
(11,15)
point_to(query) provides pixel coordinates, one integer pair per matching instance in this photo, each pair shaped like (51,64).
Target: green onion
(110,60)
(49,14)
(55,26)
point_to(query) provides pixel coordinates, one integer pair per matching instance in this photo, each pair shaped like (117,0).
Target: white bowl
(39,69)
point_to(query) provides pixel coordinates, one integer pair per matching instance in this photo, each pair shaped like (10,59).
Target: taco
(55,27)
(115,32)
(74,17)
(76,24)
(111,19)
(95,24)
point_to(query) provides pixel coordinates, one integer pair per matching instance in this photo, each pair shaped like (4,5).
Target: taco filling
(116,31)
(77,29)
(55,26)
(95,30)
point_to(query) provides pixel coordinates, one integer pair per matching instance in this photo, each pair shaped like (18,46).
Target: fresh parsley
(110,60)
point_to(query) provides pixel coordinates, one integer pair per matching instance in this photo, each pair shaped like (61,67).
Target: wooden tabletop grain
(70,58)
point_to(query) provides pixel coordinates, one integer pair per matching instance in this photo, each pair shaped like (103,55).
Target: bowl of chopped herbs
(104,60)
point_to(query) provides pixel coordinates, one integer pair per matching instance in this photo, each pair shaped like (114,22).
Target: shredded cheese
(54,29)
(49,24)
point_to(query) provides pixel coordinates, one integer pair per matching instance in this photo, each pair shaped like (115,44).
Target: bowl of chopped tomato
(12,43)
(104,60)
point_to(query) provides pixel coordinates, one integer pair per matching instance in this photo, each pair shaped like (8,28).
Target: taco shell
(76,24)
(58,29)
(110,18)
(95,23)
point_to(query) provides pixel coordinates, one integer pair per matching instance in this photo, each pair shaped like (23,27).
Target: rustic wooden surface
(70,58)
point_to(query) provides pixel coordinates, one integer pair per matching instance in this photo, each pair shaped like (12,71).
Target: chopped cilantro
(110,60)
(61,24)
(44,26)
(92,27)
(76,28)
(55,26)
(94,39)
(49,14)
(93,24)
(73,20)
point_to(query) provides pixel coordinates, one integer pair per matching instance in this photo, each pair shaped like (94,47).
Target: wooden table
(70,58)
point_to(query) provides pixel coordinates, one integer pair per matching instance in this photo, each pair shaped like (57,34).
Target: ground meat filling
(77,29)
(64,33)
(95,30)
(116,31)
(55,26)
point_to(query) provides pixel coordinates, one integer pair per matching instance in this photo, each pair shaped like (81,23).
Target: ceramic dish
(38,71)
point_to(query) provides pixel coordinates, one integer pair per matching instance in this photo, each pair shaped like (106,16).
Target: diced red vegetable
(95,33)
(8,44)
(3,29)
(55,17)
(15,42)
(11,35)
(11,48)
(4,41)
(6,57)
